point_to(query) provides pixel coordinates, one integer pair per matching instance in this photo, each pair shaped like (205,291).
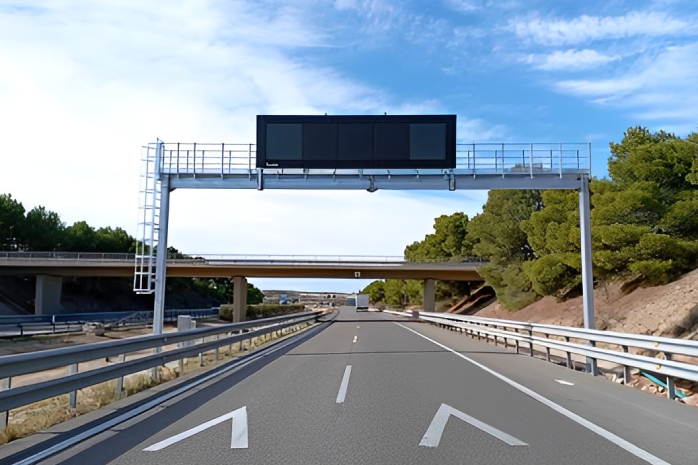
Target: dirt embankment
(670,310)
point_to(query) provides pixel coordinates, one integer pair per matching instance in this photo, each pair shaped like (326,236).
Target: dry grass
(32,418)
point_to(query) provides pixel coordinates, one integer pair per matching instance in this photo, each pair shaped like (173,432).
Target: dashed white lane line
(354,341)
(562,381)
(617,440)
(345,384)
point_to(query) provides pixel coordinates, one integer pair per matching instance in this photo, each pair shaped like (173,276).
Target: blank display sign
(356,142)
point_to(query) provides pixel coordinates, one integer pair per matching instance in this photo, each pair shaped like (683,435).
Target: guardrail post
(670,385)
(592,362)
(5,416)
(120,380)
(547,349)
(72,370)
(569,355)
(530,342)
(218,336)
(626,370)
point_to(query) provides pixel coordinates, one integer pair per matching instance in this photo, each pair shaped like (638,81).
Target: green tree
(11,222)
(449,240)
(114,240)
(375,291)
(497,232)
(659,158)
(80,237)
(499,238)
(43,229)
(554,235)
(254,295)
(681,219)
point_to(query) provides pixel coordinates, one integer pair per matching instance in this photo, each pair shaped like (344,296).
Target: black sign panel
(356,142)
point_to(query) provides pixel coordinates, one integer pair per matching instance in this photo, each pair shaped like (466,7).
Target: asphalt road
(307,407)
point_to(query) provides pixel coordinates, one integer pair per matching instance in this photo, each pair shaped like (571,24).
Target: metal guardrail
(580,341)
(170,315)
(189,345)
(27,325)
(227,258)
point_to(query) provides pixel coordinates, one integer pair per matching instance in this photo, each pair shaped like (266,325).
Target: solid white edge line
(63,445)
(344,385)
(620,442)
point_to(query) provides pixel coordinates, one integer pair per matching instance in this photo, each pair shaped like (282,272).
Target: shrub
(261,311)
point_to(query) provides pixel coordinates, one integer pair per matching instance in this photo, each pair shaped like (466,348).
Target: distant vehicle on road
(351,301)
(362,302)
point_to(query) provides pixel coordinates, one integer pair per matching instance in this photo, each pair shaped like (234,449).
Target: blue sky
(84,84)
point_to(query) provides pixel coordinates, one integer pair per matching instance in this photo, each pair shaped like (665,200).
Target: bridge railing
(167,348)
(229,258)
(509,158)
(679,356)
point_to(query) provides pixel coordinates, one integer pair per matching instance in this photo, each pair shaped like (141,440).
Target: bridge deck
(452,271)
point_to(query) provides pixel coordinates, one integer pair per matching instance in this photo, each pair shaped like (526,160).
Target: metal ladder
(148,220)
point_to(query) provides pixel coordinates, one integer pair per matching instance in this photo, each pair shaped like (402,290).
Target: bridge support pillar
(48,295)
(239,298)
(429,295)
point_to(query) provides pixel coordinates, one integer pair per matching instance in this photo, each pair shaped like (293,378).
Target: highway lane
(400,377)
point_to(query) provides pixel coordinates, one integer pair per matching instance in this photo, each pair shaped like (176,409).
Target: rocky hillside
(668,310)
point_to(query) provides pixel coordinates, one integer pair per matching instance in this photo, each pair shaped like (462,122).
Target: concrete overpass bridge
(51,267)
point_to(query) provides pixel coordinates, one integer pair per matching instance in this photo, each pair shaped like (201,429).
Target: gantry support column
(239,298)
(161,258)
(48,295)
(587,271)
(429,295)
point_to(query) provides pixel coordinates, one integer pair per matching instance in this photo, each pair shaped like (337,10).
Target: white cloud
(477,130)
(84,85)
(659,88)
(607,88)
(589,28)
(346,4)
(464,6)
(571,60)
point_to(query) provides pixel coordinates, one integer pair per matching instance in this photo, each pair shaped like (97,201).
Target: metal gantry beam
(587,271)
(478,167)
(161,258)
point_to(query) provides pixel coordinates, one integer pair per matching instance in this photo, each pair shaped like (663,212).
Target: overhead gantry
(169,166)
